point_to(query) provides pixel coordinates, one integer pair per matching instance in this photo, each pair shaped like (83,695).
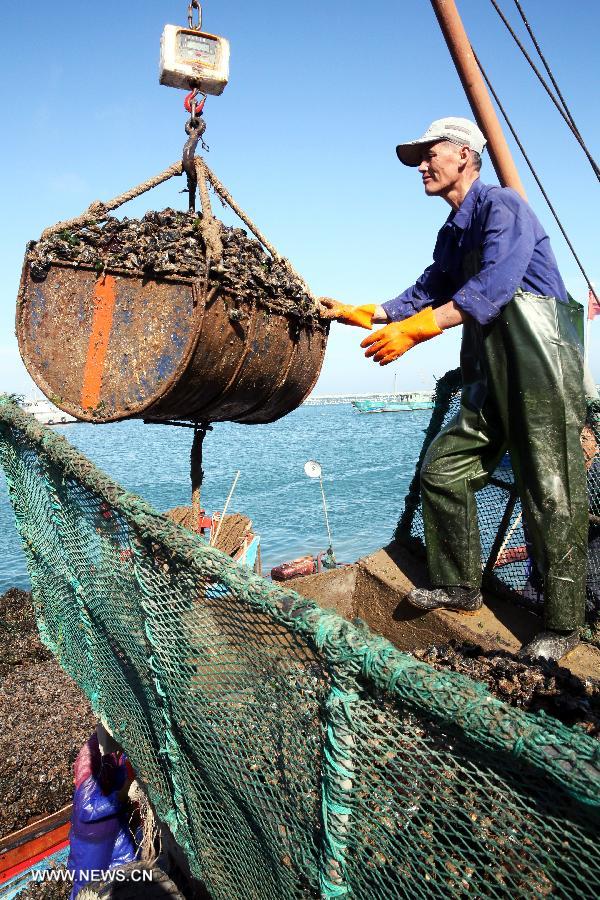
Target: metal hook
(194,128)
(195,5)
(191,105)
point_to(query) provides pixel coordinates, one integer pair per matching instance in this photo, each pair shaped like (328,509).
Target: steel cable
(535,175)
(558,101)
(545,63)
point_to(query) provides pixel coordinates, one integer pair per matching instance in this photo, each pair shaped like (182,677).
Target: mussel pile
(532,686)
(45,720)
(170,243)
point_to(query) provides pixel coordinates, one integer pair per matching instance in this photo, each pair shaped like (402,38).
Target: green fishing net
(293,754)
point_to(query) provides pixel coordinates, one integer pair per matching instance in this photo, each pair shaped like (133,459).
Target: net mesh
(292,754)
(504,544)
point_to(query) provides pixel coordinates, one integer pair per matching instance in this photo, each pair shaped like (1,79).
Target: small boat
(39,846)
(233,534)
(394,403)
(45,412)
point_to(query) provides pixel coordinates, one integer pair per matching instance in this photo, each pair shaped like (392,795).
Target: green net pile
(505,552)
(292,753)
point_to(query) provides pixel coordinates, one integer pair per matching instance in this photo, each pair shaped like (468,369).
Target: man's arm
(430,287)
(508,242)
(380,315)
(449,315)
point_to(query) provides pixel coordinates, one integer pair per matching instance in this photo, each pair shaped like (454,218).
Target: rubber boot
(455,599)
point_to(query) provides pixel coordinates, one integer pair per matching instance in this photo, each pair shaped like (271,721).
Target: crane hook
(194,128)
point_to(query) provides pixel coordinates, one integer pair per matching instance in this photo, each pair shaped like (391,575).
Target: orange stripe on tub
(105,294)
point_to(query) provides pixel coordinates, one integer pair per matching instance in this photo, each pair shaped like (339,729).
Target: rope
(149,833)
(563,109)
(535,175)
(209,227)
(226,196)
(545,63)
(197,472)
(338,783)
(97,211)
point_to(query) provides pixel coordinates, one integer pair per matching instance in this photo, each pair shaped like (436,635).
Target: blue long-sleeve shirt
(487,248)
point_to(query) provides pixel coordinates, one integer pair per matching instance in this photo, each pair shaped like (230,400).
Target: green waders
(522,392)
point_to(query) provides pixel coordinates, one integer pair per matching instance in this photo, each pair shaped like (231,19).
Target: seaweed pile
(170,243)
(531,686)
(45,720)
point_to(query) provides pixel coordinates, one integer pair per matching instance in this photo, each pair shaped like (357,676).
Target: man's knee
(444,465)
(433,468)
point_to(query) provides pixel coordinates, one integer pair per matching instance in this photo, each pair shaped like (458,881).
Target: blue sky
(303,136)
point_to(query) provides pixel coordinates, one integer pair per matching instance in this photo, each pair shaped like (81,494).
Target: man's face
(440,167)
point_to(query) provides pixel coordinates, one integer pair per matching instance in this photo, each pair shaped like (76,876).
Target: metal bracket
(179,424)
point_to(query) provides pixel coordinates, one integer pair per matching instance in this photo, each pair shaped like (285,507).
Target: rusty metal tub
(120,346)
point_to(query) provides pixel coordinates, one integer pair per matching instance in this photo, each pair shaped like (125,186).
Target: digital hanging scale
(193,59)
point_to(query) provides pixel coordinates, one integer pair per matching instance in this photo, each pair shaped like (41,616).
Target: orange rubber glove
(390,342)
(348,315)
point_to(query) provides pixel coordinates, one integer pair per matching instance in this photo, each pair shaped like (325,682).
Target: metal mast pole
(477,93)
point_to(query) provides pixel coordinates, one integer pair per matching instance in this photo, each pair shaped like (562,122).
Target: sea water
(367,460)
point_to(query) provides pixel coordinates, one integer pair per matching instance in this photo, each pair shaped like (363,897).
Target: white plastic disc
(312,468)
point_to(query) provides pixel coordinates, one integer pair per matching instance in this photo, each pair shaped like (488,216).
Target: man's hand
(362,316)
(391,342)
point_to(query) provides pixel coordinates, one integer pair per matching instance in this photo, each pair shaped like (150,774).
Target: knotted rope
(97,211)
(209,228)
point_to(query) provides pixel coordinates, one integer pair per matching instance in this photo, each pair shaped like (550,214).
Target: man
(494,273)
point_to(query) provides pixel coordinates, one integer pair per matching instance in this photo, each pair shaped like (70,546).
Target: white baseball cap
(455,130)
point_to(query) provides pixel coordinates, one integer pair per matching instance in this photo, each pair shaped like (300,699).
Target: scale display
(193,59)
(197,48)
